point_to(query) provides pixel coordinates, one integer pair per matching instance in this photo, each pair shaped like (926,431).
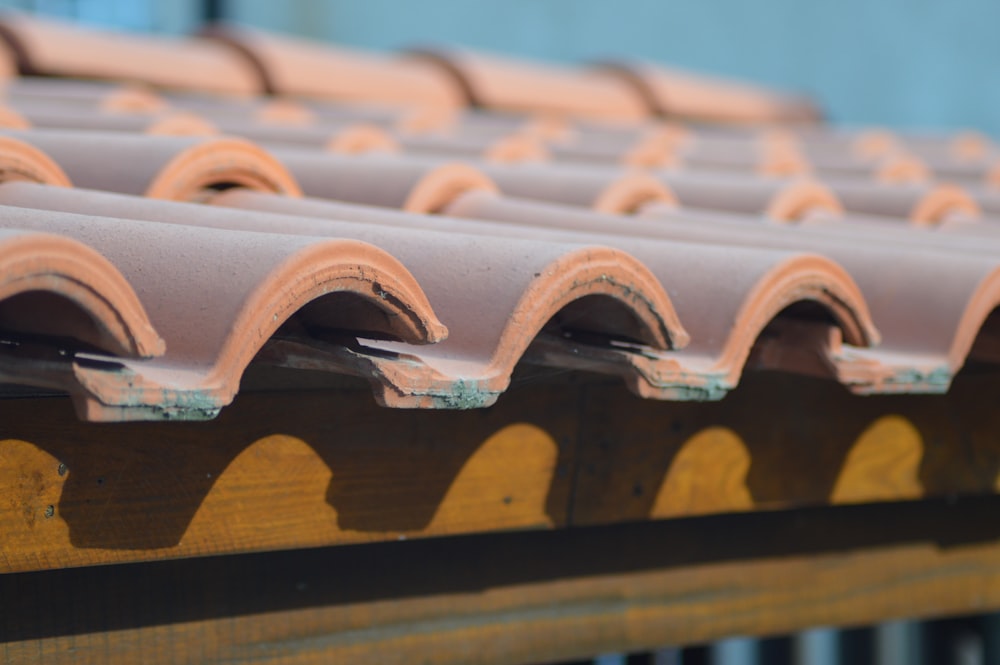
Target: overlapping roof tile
(167,167)
(673,92)
(494,296)
(428,221)
(53,48)
(507,84)
(217,295)
(62,291)
(294,66)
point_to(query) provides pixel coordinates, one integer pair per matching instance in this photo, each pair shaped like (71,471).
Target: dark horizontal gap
(104,598)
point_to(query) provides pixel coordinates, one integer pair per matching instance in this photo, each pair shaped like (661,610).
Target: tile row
(240,61)
(142,274)
(837,156)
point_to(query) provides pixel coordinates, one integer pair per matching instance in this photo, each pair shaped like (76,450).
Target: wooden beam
(278,470)
(307,468)
(518,597)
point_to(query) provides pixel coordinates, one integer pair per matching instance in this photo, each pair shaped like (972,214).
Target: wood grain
(519,597)
(287,468)
(780,441)
(275,471)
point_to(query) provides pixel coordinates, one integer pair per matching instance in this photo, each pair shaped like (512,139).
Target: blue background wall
(920,63)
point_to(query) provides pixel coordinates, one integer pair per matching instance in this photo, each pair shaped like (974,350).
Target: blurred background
(903,63)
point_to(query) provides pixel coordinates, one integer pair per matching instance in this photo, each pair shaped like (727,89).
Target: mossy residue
(465,395)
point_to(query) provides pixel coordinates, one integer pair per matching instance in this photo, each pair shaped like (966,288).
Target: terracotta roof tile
(413,184)
(87,94)
(987,199)
(11,119)
(54,48)
(342,137)
(22,161)
(217,296)
(170,123)
(892,169)
(507,84)
(297,66)
(270,110)
(604,190)
(168,167)
(647,149)
(725,295)
(675,256)
(919,204)
(403,118)
(713,363)
(672,92)
(782,200)
(512,148)
(861,144)
(495,297)
(54,287)
(758,155)
(927,323)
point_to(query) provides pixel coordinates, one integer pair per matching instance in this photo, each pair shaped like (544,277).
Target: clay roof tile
(394,181)
(508,84)
(295,66)
(56,48)
(217,295)
(51,286)
(170,167)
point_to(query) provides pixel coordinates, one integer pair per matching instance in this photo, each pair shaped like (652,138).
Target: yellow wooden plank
(520,598)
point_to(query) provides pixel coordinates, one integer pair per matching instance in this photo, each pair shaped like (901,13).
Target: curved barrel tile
(918,204)
(641,145)
(344,138)
(299,67)
(736,275)
(11,119)
(406,119)
(676,93)
(725,295)
(601,189)
(506,84)
(760,155)
(509,149)
(393,181)
(279,111)
(166,167)
(23,162)
(865,144)
(541,126)
(8,62)
(889,170)
(927,323)
(51,286)
(90,95)
(973,175)
(967,146)
(55,48)
(167,123)
(988,199)
(495,297)
(781,200)
(216,296)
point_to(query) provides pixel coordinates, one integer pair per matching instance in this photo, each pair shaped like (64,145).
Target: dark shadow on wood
(798,433)
(102,598)
(136,486)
